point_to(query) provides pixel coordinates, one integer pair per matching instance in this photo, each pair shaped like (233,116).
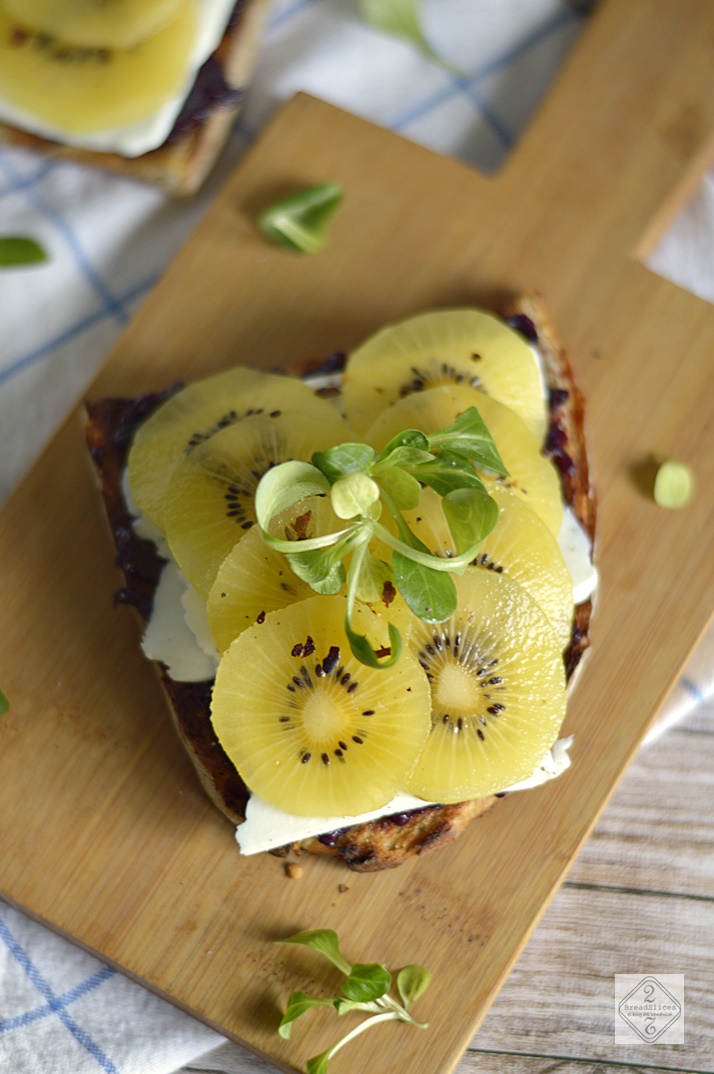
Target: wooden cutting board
(105,834)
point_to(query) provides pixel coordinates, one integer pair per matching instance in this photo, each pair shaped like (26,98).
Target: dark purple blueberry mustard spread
(210,90)
(142,566)
(557,438)
(558,397)
(524,325)
(555,448)
(129,414)
(136,557)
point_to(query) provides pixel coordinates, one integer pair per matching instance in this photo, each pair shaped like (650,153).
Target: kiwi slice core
(309,728)
(497,689)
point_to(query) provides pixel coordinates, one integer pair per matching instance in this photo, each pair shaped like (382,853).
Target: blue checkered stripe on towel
(43,984)
(63,1012)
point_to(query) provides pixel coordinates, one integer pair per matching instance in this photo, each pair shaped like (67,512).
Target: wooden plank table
(639,899)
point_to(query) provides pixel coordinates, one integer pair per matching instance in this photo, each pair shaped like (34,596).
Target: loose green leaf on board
(345,1006)
(326,942)
(301,220)
(412,982)
(318,1063)
(367,982)
(366,988)
(298,1004)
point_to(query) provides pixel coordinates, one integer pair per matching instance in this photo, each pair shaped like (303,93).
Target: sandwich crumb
(342,888)
(293,870)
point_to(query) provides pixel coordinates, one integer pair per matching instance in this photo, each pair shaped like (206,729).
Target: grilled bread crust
(181,164)
(388,841)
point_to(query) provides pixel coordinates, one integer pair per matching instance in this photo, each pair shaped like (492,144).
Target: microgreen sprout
(4,703)
(300,221)
(403,19)
(362,484)
(16,250)
(366,987)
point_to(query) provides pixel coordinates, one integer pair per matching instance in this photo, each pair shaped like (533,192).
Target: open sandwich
(350,690)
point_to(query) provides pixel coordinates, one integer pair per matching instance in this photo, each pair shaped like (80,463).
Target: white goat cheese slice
(577,553)
(168,637)
(267,827)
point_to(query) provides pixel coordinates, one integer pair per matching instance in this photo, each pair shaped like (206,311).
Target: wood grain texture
(558,999)
(105,833)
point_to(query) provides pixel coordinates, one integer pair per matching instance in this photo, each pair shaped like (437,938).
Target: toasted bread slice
(182,163)
(389,841)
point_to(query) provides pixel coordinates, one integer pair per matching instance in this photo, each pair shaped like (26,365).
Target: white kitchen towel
(62,1012)
(109,239)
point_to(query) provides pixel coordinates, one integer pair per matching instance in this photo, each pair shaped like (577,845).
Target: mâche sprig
(16,250)
(300,221)
(403,18)
(365,988)
(361,484)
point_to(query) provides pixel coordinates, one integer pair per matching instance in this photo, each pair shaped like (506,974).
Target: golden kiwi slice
(520,545)
(532,476)
(497,687)
(210,501)
(203,408)
(465,347)
(95,23)
(309,728)
(254,579)
(79,90)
